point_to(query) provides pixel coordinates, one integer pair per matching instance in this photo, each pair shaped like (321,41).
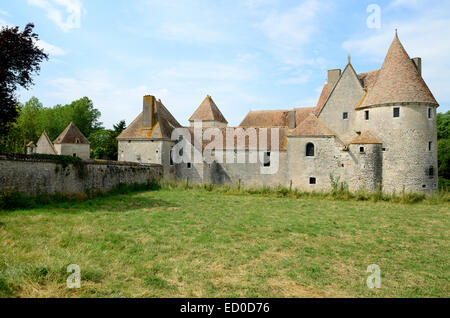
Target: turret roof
(398,81)
(70,135)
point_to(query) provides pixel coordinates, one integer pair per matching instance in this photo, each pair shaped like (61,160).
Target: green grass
(219,242)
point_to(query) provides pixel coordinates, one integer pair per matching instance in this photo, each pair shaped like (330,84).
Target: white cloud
(50,48)
(5,13)
(66,21)
(188,32)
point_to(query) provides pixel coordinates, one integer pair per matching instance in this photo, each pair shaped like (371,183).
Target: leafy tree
(104,143)
(444,158)
(20,58)
(443,125)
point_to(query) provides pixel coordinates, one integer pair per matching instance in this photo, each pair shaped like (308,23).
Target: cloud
(66,21)
(50,48)
(188,32)
(5,13)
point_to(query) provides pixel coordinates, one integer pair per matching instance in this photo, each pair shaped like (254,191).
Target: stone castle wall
(30,175)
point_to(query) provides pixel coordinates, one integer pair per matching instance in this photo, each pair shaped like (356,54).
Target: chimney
(418,63)
(147,119)
(292,119)
(333,76)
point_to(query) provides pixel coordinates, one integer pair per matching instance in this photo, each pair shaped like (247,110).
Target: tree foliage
(20,58)
(443,133)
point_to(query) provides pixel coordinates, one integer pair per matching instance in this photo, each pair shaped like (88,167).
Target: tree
(444,158)
(20,58)
(443,125)
(104,143)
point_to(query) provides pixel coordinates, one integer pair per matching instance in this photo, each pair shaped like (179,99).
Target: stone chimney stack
(292,119)
(147,119)
(333,76)
(418,62)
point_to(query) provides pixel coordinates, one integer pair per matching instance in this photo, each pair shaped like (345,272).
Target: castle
(370,130)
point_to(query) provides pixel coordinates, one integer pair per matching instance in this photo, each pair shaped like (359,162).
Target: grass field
(198,243)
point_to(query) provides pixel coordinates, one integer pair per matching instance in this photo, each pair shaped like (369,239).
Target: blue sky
(246,54)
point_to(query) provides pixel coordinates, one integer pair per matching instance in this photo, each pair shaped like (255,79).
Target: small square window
(361,149)
(170,157)
(345,115)
(366,115)
(312,180)
(396,112)
(267,159)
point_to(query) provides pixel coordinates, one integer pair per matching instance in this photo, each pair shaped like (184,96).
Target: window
(431,171)
(396,112)
(366,115)
(74,154)
(345,115)
(78,141)
(361,149)
(312,180)
(189,165)
(309,150)
(170,157)
(267,159)
(430,144)
(430,113)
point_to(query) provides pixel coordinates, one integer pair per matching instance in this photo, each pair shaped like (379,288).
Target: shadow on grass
(120,199)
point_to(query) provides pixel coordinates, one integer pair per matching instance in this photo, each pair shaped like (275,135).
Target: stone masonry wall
(29,175)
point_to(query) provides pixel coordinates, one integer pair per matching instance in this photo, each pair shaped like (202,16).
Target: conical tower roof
(71,135)
(398,81)
(208,111)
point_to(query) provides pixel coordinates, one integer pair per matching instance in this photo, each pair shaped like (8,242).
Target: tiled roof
(165,123)
(368,79)
(266,118)
(208,111)
(282,134)
(31,143)
(312,126)
(366,137)
(322,99)
(301,114)
(398,81)
(70,135)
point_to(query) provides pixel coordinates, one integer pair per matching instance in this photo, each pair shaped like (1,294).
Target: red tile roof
(366,137)
(322,99)
(398,81)
(208,111)
(312,126)
(71,135)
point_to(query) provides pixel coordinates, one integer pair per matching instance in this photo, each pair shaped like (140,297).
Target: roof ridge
(208,111)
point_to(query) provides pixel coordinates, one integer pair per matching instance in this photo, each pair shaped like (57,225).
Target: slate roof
(312,126)
(366,137)
(208,111)
(70,135)
(165,124)
(398,81)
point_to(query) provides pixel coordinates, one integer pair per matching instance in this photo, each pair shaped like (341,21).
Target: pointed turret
(399,81)
(209,114)
(71,135)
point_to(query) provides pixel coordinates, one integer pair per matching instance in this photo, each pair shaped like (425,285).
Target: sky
(246,54)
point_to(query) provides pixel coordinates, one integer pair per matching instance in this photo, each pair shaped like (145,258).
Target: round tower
(401,110)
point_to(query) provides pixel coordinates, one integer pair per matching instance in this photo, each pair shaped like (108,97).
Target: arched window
(309,149)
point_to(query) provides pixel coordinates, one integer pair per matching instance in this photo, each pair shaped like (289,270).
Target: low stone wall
(29,175)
